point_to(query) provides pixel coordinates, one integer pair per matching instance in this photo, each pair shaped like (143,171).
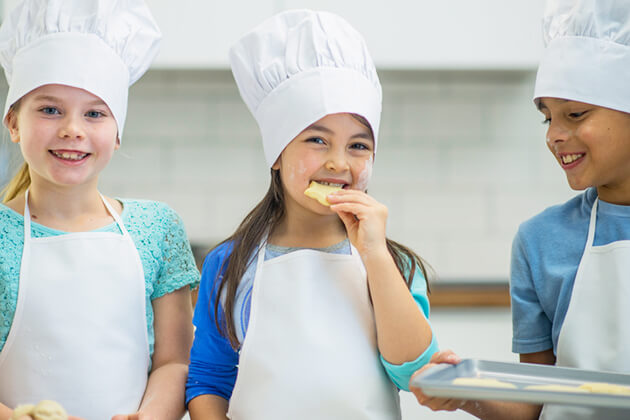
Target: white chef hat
(101,46)
(299,66)
(588,53)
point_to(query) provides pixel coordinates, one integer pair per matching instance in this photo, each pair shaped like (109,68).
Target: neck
(72,209)
(308,230)
(617,194)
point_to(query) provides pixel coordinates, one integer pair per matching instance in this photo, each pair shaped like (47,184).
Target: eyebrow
(542,106)
(315,127)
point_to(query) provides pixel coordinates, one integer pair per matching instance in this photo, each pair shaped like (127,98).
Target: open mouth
(568,159)
(333,184)
(69,156)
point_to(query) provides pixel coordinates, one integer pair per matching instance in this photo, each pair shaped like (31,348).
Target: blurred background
(461,163)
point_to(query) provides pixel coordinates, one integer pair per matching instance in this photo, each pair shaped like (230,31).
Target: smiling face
(336,150)
(67,135)
(592,145)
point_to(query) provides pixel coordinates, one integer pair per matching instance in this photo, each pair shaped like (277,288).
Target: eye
(546,121)
(94,114)
(317,140)
(359,146)
(576,115)
(49,110)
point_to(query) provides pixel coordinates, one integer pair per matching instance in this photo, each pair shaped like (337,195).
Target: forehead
(61,93)
(343,124)
(550,103)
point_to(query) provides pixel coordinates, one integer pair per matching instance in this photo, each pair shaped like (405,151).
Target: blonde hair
(18,184)
(22,179)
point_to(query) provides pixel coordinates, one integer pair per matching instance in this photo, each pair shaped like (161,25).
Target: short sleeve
(532,329)
(213,361)
(401,374)
(178,267)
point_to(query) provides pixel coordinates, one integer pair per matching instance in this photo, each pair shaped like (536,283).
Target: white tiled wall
(461,160)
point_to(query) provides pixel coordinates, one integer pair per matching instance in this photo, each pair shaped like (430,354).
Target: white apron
(79,333)
(310,351)
(595,333)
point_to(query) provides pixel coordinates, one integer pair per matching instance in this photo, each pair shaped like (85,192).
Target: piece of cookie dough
(555,388)
(604,388)
(22,410)
(319,192)
(44,410)
(486,382)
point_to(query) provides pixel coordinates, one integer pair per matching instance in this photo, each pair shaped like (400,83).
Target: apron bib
(79,333)
(310,351)
(594,335)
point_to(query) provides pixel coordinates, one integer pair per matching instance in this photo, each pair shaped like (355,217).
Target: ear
(277,163)
(11,123)
(117,142)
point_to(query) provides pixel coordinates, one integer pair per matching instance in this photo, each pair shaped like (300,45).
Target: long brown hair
(264,218)
(22,179)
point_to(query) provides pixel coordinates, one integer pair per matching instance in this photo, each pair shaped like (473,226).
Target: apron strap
(591,225)
(27,219)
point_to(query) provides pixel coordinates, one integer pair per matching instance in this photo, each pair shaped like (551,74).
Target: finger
(350,195)
(359,210)
(446,356)
(347,219)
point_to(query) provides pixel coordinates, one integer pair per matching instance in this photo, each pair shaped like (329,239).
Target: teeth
(571,158)
(70,155)
(331,184)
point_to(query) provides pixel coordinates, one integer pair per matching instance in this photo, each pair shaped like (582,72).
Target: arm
(484,409)
(209,407)
(164,396)
(212,371)
(5,412)
(403,333)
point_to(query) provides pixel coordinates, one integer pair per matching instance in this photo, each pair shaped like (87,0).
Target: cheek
(365,174)
(295,170)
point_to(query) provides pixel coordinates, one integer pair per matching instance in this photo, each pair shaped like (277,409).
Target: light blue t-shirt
(156,230)
(546,253)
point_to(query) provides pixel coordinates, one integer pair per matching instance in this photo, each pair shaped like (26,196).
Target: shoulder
(10,220)
(145,207)
(217,257)
(556,221)
(149,215)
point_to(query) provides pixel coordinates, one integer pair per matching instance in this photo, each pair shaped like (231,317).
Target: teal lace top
(159,236)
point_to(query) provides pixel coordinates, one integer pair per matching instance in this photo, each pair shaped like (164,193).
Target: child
(570,279)
(305,309)
(94,291)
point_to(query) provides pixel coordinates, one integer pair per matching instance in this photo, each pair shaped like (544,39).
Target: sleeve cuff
(401,374)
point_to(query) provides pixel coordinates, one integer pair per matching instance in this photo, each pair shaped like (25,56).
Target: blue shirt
(213,363)
(546,254)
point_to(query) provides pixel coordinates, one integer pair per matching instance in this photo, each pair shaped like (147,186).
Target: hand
(364,217)
(435,403)
(31,418)
(135,416)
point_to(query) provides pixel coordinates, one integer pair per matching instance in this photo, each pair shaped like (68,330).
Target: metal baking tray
(437,382)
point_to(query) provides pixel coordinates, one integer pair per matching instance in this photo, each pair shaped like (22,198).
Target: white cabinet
(401,34)
(444,34)
(199,33)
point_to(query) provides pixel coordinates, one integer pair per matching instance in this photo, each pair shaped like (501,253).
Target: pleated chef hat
(299,66)
(588,53)
(101,46)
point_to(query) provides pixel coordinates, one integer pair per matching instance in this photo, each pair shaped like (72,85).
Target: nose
(72,127)
(336,161)
(557,133)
